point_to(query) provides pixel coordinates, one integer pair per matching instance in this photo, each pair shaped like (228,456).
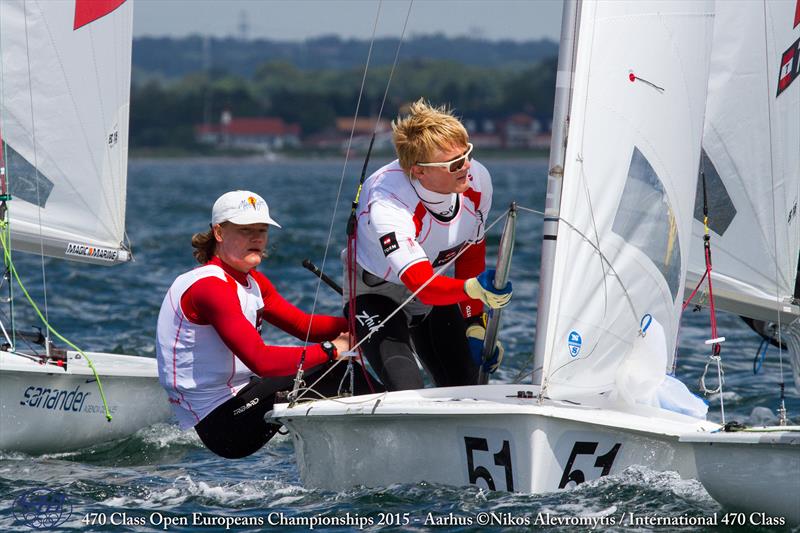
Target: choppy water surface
(161,475)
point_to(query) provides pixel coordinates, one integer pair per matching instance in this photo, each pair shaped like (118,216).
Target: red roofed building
(249,133)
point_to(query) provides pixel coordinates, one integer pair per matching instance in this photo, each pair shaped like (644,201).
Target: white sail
(752,160)
(636,122)
(65,93)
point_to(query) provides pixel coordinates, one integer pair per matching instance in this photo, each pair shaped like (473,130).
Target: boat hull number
(489,462)
(604,461)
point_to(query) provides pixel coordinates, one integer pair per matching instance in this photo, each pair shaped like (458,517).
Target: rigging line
(36,172)
(597,249)
(594,227)
(427,282)
(394,65)
(50,328)
(774,222)
(5,175)
(603,259)
(341,185)
(349,144)
(412,296)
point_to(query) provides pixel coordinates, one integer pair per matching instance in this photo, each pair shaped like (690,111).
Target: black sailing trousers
(439,339)
(237,427)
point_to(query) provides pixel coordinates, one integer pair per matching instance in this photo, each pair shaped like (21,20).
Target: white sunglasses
(455,165)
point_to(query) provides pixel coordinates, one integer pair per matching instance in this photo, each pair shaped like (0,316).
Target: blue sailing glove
(476,333)
(482,288)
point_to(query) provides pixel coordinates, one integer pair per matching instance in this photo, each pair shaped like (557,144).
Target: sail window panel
(24,180)
(721,210)
(644,219)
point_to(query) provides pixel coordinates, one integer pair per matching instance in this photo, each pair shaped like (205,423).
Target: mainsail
(636,121)
(64,102)
(751,160)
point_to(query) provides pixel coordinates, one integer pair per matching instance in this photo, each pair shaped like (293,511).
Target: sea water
(164,479)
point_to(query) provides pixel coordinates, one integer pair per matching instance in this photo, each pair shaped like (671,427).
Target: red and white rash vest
(406,231)
(208,341)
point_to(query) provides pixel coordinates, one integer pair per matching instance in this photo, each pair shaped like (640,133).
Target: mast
(558,145)
(500,279)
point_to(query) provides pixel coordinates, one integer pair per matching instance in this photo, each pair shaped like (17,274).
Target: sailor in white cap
(220,376)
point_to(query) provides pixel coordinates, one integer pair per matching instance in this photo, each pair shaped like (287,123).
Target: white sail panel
(65,102)
(629,183)
(752,160)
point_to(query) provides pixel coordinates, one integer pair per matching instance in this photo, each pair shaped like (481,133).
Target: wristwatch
(329,349)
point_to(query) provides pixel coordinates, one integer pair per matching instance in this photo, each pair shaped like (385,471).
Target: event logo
(42,508)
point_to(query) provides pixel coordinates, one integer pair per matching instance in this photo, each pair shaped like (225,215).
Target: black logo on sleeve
(388,243)
(445,256)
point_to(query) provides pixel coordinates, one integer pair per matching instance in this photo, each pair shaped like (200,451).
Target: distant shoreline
(312,156)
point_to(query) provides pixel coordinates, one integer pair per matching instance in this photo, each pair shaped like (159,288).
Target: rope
(597,249)
(36,177)
(50,328)
(298,379)
(782,408)
(352,222)
(716,340)
(406,301)
(446,265)
(761,354)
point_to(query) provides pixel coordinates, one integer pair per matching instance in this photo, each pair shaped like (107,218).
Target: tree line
(164,112)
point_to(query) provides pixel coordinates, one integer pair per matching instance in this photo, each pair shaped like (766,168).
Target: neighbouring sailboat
(65,72)
(751,164)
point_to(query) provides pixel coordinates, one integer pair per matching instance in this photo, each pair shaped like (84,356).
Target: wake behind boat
(632,85)
(65,89)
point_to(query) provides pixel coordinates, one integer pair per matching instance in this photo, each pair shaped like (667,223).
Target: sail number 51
(501,458)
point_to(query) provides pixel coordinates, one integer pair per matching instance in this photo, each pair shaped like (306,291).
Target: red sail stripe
(87,11)
(797,14)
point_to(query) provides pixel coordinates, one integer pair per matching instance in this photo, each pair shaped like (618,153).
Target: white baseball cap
(241,207)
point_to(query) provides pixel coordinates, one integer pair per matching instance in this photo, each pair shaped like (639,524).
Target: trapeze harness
(219,375)
(404,232)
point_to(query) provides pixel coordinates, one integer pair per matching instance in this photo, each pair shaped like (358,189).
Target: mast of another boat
(4,197)
(555,175)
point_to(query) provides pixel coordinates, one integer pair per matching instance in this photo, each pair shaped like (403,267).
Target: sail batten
(65,112)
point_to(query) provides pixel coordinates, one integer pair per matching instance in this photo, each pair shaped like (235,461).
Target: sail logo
(82,250)
(790,59)
(87,11)
(790,67)
(574,343)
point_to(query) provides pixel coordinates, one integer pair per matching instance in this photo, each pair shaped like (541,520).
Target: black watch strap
(329,349)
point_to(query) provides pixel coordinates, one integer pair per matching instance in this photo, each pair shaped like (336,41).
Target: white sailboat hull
(483,435)
(752,471)
(46,408)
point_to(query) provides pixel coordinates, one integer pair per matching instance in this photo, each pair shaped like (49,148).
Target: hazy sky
(298,19)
